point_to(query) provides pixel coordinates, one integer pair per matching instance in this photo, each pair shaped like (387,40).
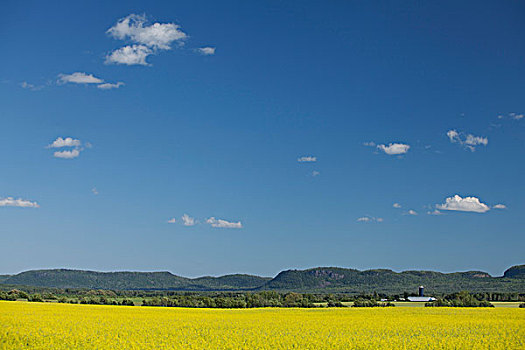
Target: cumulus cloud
(434,212)
(307,159)
(78,78)
(499,206)
(369,219)
(394,148)
(206,50)
(146,39)
(468,140)
(369,144)
(84,78)
(67,154)
(223,223)
(172,221)
(108,86)
(130,55)
(412,212)
(69,142)
(453,135)
(157,35)
(21,203)
(476,140)
(470,204)
(316,173)
(188,220)
(94,191)
(65,142)
(396,205)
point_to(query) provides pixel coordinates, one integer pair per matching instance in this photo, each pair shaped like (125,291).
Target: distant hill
(318,280)
(387,281)
(63,278)
(229,282)
(515,272)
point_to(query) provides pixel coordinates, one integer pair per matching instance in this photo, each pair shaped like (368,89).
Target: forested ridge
(320,279)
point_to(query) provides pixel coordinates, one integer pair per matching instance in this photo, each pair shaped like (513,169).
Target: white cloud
(206,50)
(67,154)
(499,206)
(468,140)
(453,135)
(83,78)
(172,221)
(94,191)
(32,87)
(157,35)
(394,148)
(26,85)
(108,86)
(476,140)
(75,144)
(130,55)
(78,78)
(470,204)
(369,144)
(369,219)
(188,220)
(396,205)
(223,223)
(412,212)
(66,142)
(307,159)
(514,116)
(148,39)
(434,212)
(22,203)
(316,173)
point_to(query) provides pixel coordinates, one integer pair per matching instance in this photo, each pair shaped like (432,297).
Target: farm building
(421,297)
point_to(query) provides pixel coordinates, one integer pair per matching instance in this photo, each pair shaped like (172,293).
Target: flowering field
(64,326)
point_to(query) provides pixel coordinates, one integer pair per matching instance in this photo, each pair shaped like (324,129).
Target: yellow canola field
(63,326)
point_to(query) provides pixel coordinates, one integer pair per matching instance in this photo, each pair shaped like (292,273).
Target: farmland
(64,326)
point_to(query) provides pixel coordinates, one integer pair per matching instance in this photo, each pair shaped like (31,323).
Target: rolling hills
(319,280)
(124,280)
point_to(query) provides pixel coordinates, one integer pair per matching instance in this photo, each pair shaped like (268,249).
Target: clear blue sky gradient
(220,135)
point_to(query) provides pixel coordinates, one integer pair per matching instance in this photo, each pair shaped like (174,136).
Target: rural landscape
(295,309)
(242,174)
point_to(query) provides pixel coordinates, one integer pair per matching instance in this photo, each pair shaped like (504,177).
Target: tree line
(461,299)
(243,299)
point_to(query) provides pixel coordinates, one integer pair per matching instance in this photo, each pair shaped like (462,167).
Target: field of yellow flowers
(64,326)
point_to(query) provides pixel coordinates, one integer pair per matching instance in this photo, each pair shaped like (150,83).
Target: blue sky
(276,134)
